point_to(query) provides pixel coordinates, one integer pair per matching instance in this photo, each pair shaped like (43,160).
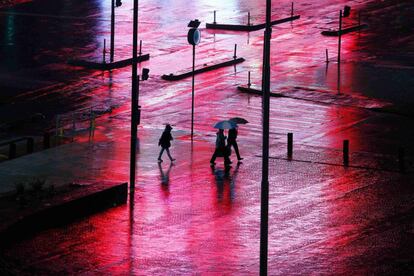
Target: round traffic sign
(194,36)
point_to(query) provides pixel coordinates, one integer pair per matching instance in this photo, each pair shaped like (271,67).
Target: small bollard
(46,140)
(12,150)
(290,145)
(401,159)
(346,153)
(30,145)
(248,18)
(140,48)
(235,51)
(327,55)
(104,52)
(248,80)
(214,21)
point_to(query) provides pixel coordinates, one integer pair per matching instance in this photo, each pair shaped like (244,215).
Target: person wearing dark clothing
(165,142)
(231,141)
(221,149)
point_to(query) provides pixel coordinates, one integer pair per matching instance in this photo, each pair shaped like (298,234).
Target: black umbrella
(239,121)
(225,125)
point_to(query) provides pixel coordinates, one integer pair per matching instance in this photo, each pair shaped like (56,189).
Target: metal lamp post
(264,210)
(134,97)
(193,38)
(135,121)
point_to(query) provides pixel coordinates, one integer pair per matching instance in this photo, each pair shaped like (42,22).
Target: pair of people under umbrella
(223,150)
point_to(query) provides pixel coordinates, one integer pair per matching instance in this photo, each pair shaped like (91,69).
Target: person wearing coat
(221,149)
(231,141)
(165,142)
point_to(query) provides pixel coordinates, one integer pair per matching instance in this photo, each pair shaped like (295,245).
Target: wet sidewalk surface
(189,218)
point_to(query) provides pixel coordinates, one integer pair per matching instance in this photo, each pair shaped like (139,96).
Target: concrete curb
(256,91)
(180,76)
(109,65)
(248,28)
(345,31)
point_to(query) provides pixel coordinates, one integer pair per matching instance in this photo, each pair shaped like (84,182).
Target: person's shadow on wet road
(165,177)
(222,176)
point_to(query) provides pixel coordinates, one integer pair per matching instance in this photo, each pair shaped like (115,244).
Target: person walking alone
(231,141)
(165,142)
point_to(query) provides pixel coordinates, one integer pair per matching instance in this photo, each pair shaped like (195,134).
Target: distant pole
(248,18)
(140,48)
(327,55)
(192,96)
(291,11)
(264,207)
(214,21)
(111,55)
(134,97)
(339,52)
(104,52)
(235,51)
(249,83)
(340,36)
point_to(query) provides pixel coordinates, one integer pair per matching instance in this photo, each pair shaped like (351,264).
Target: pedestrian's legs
(161,152)
(236,149)
(213,158)
(169,155)
(227,161)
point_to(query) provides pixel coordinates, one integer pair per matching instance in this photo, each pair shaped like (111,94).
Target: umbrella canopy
(239,120)
(225,125)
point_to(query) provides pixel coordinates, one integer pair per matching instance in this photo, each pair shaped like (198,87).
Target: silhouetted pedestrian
(165,142)
(221,149)
(231,141)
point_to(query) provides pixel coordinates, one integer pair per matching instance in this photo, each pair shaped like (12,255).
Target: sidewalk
(324,218)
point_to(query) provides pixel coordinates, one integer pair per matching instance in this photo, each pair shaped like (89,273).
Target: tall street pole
(264,209)
(134,97)
(111,55)
(192,97)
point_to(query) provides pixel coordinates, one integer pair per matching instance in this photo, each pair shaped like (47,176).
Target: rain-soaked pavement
(189,218)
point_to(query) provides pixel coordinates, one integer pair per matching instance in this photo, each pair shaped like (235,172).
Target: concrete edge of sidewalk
(63,209)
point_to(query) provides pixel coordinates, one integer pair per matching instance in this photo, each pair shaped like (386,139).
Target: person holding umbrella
(221,149)
(231,141)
